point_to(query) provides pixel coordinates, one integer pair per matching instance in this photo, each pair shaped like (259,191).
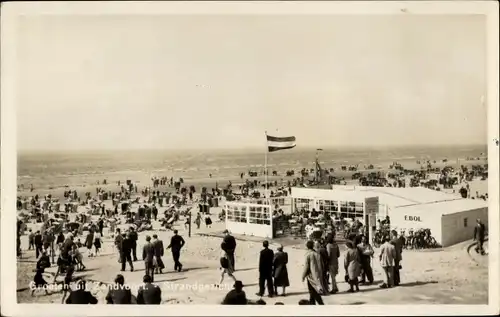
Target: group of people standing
(152,251)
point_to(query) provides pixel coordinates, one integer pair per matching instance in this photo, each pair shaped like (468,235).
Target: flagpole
(265,169)
(316,169)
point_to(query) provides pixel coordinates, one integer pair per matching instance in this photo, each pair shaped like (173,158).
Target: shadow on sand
(170,280)
(247,269)
(417,283)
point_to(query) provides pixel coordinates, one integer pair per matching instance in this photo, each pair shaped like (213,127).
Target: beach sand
(442,276)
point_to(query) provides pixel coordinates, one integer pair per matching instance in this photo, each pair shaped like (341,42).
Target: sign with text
(413,218)
(371,205)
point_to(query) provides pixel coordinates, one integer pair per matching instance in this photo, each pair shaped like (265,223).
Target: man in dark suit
(158,247)
(133,238)
(148,255)
(229,246)
(396,242)
(236,296)
(125,250)
(154,211)
(118,242)
(81,295)
(38,243)
(120,293)
(176,244)
(148,294)
(479,236)
(266,270)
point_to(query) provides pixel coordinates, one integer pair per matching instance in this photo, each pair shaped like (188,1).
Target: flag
(280,143)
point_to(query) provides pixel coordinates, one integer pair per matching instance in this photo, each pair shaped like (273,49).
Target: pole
(190,215)
(265,171)
(316,170)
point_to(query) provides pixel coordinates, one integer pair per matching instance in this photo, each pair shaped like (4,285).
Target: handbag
(224,263)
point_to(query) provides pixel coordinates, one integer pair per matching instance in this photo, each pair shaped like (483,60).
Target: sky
(188,82)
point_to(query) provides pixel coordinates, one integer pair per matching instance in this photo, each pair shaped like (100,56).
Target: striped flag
(280,143)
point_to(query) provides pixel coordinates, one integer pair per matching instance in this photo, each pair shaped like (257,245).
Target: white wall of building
(249,228)
(459,227)
(411,218)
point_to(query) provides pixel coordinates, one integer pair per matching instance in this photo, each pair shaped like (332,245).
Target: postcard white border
(12,10)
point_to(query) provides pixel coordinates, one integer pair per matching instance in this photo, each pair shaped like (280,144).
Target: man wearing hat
(236,296)
(266,270)
(229,246)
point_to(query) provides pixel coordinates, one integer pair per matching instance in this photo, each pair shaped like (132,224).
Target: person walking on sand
(280,273)
(31,240)
(133,238)
(226,268)
(387,260)
(229,247)
(176,244)
(479,236)
(97,242)
(366,254)
(266,270)
(397,243)
(352,267)
(323,254)
(125,250)
(148,255)
(197,221)
(333,261)
(38,243)
(158,247)
(89,241)
(313,275)
(118,243)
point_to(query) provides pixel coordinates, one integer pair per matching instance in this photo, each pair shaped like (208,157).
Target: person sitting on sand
(120,293)
(81,295)
(149,294)
(236,296)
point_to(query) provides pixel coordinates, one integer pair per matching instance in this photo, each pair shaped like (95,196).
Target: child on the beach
(97,242)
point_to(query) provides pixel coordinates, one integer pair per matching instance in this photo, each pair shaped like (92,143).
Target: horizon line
(251,148)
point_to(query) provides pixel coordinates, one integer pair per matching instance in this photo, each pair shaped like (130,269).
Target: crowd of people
(321,267)
(321,262)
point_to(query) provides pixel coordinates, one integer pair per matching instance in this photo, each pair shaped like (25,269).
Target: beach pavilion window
(301,203)
(329,206)
(260,215)
(236,213)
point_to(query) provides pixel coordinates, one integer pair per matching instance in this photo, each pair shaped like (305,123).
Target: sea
(56,169)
